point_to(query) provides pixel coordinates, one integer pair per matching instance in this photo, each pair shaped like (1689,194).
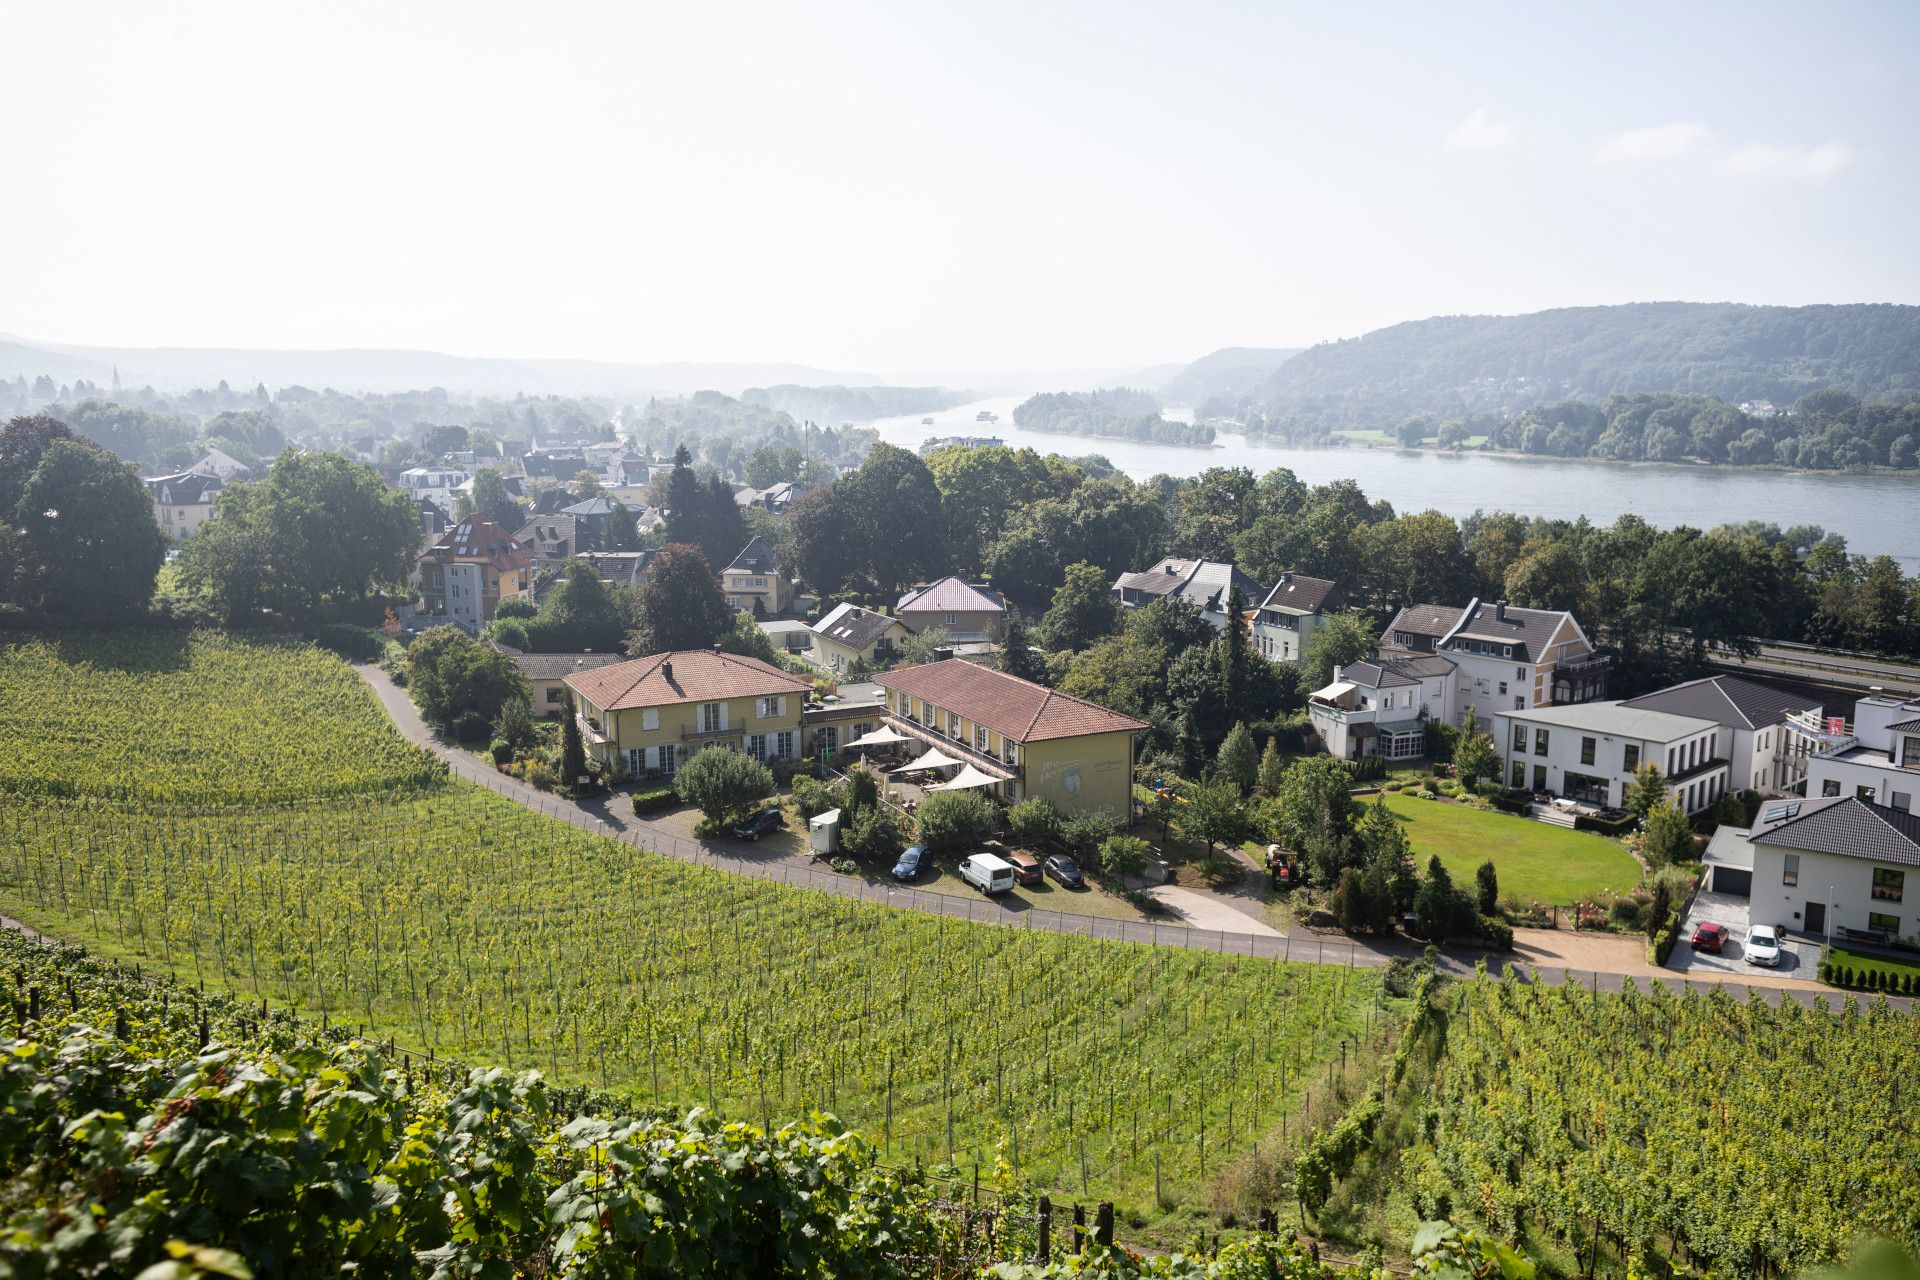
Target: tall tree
(491,499)
(1083,609)
(679,606)
(823,531)
(1340,641)
(897,506)
(87,546)
(1017,657)
(580,613)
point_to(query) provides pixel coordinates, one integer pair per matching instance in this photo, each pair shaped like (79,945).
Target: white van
(987,873)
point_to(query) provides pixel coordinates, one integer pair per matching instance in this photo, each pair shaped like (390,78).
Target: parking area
(1797,959)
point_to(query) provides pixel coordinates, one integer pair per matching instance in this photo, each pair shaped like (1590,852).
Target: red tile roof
(1020,709)
(477,539)
(686,675)
(951,595)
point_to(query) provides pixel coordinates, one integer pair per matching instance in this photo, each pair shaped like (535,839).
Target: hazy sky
(877,187)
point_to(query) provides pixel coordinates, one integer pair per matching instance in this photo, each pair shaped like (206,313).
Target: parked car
(758,825)
(1066,871)
(908,867)
(1763,945)
(1710,937)
(987,873)
(1026,868)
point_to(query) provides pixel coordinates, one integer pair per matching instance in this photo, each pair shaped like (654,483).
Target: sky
(975,185)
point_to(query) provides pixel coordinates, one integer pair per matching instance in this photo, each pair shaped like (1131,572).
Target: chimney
(1286,577)
(1499,610)
(1337,669)
(666,670)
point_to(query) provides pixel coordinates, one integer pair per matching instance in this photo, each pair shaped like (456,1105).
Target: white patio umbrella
(934,759)
(970,777)
(881,737)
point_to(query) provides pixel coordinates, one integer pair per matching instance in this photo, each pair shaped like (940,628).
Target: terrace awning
(934,759)
(970,777)
(881,737)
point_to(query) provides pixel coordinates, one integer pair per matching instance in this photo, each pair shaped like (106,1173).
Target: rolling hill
(1227,375)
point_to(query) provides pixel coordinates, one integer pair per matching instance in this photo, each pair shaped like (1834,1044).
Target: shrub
(954,819)
(1486,882)
(502,752)
(813,797)
(1662,946)
(1123,855)
(516,607)
(1035,818)
(1627,913)
(654,800)
(724,783)
(355,644)
(1084,833)
(875,832)
(1497,932)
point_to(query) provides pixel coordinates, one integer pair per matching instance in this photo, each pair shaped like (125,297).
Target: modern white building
(1589,751)
(1763,730)
(1382,708)
(438,485)
(1834,868)
(1877,759)
(1208,584)
(1510,659)
(1292,612)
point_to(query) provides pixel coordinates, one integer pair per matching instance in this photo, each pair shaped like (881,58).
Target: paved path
(1536,953)
(1201,911)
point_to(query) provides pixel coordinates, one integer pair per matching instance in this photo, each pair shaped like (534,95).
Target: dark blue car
(758,825)
(908,867)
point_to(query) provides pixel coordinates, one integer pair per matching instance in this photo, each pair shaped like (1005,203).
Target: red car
(1710,937)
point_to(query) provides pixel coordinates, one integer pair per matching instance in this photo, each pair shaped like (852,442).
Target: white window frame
(650,718)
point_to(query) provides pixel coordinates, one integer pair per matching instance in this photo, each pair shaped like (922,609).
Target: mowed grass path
(456,920)
(1536,862)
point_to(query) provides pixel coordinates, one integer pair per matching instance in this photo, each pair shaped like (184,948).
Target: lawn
(1873,962)
(1536,862)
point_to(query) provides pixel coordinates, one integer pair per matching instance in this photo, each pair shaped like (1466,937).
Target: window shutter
(723,715)
(650,718)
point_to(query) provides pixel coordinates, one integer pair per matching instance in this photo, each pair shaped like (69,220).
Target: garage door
(1733,880)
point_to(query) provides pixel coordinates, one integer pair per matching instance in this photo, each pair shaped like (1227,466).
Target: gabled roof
(685,675)
(554,534)
(1376,675)
(951,595)
(857,628)
(1205,582)
(755,557)
(591,507)
(1847,828)
(1297,593)
(1019,709)
(477,539)
(185,488)
(558,666)
(1905,726)
(1727,700)
(1529,631)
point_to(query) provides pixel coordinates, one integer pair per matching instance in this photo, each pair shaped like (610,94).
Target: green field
(458,921)
(1536,862)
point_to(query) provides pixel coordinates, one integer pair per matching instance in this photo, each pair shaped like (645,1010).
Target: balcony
(985,761)
(709,735)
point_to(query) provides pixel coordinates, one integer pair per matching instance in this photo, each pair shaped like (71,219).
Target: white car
(1763,945)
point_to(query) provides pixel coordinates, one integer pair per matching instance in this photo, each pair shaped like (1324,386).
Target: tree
(924,646)
(678,606)
(1358,905)
(322,530)
(1124,856)
(1083,609)
(573,751)
(1017,657)
(460,684)
(723,783)
(23,442)
(1474,756)
(491,499)
(586,486)
(1341,640)
(1237,761)
(623,530)
(1487,883)
(1273,769)
(824,554)
(581,614)
(1669,835)
(1315,797)
(954,819)
(1212,815)
(514,725)
(1648,788)
(1440,910)
(898,516)
(88,550)
(746,638)
(874,831)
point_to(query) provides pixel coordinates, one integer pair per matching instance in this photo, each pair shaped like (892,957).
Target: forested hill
(1230,373)
(1466,365)
(834,405)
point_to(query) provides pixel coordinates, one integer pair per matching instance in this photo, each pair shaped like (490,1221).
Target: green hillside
(1229,374)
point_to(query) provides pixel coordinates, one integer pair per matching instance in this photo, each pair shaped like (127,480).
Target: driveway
(1798,960)
(1201,911)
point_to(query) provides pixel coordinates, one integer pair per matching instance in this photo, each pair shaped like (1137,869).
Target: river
(1876,514)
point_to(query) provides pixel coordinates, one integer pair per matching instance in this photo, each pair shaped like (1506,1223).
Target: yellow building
(850,634)
(1036,741)
(470,569)
(183,502)
(650,714)
(753,582)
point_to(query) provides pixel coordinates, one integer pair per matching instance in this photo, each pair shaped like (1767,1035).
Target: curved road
(741,858)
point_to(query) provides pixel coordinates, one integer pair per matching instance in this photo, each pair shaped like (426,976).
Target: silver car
(1763,945)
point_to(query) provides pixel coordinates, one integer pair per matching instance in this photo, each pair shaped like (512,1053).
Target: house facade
(438,485)
(1510,659)
(969,614)
(1207,584)
(1286,619)
(1590,752)
(470,569)
(850,634)
(754,582)
(1382,708)
(183,502)
(547,674)
(1877,758)
(1830,867)
(648,715)
(1034,740)
(1761,738)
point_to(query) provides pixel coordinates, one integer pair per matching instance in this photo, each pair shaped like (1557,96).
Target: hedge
(650,801)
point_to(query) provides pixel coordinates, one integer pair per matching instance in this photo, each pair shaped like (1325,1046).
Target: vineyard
(1717,1133)
(471,927)
(165,717)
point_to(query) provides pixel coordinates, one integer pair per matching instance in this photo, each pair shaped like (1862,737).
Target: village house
(1032,740)
(1833,867)
(969,614)
(1510,659)
(1876,759)
(1207,584)
(183,502)
(1589,752)
(1382,708)
(470,569)
(647,715)
(1289,615)
(850,634)
(619,568)
(437,485)
(1761,740)
(753,582)
(553,538)
(547,674)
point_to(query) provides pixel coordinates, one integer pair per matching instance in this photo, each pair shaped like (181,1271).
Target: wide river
(1877,514)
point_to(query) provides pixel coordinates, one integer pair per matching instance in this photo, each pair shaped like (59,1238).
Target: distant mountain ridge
(1229,373)
(1463,365)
